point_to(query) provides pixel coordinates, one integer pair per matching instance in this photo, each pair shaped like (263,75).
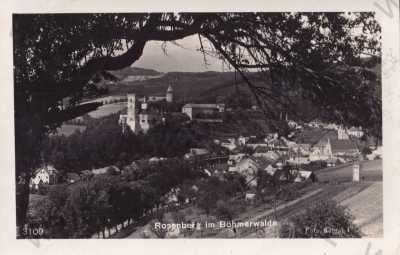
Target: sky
(186,58)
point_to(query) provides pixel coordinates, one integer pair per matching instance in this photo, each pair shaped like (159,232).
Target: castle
(145,117)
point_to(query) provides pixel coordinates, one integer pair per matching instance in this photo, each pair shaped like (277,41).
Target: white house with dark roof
(343,148)
(355,132)
(44,175)
(229,143)
(106,170)
(255,142)
(192,110)
(335,148)
(248,167)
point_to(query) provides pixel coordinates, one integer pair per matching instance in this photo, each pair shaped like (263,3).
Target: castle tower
(170,94)
(131,113)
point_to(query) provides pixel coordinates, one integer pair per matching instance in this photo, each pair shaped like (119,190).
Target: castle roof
(169,88)
(190,105)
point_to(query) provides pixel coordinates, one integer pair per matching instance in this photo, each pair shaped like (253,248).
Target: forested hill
(203,87)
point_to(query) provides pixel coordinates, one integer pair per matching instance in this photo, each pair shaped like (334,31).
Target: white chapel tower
(170,94)
(342,134)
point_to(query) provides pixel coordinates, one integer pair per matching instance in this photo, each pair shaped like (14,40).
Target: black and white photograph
(198,125)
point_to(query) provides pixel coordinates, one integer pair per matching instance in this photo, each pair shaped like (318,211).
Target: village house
(303,175)
(355,132)
(342,148)
(278,145)
(235,158)
(342,134)
(294,125)
(228,143)
(135,168)
(247,167)
(254,142)
(319,153)
(294,175)
(303,149)
(334,148)
(196,152)
(44,175)
(154,160)
(319,150)
(299,154)
(290,144)
(377,153)
(172,196)
(242,140)
(331,126)
(266,153)
(106,170)
(316,123)
(298,160)
(203,111)
(270,169)
(272,136)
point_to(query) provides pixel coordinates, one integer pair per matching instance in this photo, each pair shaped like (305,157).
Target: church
(146,116)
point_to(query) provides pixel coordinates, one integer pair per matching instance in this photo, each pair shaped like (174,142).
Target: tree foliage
(103,143)
(326,219)
(88,207)
(56,55)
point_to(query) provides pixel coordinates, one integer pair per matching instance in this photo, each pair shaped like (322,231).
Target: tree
(325,219)
(366,151)
(224,211)
(56,55)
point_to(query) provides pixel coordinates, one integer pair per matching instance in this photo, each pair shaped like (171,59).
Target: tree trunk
(22,202)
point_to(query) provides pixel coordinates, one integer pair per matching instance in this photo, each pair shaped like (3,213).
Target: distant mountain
(127,72)
(207,87)
(187,86)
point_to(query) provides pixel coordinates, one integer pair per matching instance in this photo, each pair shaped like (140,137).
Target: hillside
(208,87)
(187,86)
(134,71)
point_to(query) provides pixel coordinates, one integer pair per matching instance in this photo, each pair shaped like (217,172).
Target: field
(34,199)
(370,171)
(107,110)
(363,199)
(367,208)
(68,129)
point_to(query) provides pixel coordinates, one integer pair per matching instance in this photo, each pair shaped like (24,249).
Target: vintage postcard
(259,125)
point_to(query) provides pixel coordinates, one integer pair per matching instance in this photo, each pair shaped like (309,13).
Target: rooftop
(343,145)
(190,105)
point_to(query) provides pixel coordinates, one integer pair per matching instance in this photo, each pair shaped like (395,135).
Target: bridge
(107,100)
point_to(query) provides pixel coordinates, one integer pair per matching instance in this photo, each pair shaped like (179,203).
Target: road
(367,208)
(363,199)
(370,171)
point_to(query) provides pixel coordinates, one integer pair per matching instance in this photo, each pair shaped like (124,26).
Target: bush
(288,193)
(43,189)
(223,210)
(326,219)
